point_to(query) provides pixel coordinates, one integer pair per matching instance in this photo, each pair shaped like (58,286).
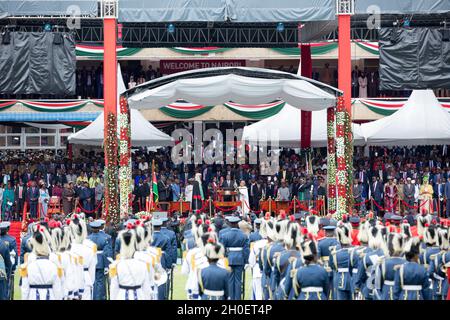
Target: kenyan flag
(154,195)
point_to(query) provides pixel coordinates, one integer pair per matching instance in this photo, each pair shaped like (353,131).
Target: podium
(230,194)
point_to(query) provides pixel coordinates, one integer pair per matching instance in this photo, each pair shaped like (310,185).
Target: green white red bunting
(201,50)
(369,46)
(47,106)
(387,107)
(97,51)
(184,110)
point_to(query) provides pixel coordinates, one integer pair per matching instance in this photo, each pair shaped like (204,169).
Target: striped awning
(48,116)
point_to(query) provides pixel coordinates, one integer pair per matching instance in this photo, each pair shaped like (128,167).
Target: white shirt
(129,273)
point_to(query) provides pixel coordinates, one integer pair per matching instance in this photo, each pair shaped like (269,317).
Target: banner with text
(174,66)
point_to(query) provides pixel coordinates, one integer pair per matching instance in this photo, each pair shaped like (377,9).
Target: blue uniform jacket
(415,275)
(365,270)
(213,278)
(281,271)
(104,249)
(311,276)
(10,242)
(254,236)
(25,247)
(172,251)
(340,263)
(235,238)
(162,241)
(438,277)
(323,247)
(291,271)
(386,276)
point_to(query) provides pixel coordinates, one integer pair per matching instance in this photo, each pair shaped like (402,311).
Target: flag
(154,188)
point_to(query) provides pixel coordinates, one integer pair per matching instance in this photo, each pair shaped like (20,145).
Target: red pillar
(110,115)
(345,60)
(306,116)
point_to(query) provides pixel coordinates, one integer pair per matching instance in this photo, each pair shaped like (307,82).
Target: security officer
(173,241)
(386,269)
(163,242)
(311,281)
(323,247)
(25,245)
(10,242)
(254,235)
(213,280)
(6,272)
(340,263)
(104,251)
(173,250)
(237,250)
(411,280)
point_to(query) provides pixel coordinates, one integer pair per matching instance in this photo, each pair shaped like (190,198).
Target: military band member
(5,271)
(411,280)
(195,260)
(267,228)
(163,243)
(324,246)
(213,280)
(340,263)
(237,250)
(143,240)
(72,267)
(386,268)
(287,257)
(311,281)
(10,242)
(41,277)
(256,248)
(436,266)
(365,278)
(255,235)
(129,276)
(104,251)
(86,250)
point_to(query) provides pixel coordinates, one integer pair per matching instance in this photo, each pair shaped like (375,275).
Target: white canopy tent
(421,121)
(286,124)
(215,86)
(143,133)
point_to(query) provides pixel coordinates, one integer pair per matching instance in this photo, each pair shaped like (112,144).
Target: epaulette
(112,270)
(148,266)
(60,272)
(80,260)
(25,257)
(118,257)
(23,271)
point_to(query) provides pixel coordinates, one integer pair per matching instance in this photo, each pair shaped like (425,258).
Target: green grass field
(178,288)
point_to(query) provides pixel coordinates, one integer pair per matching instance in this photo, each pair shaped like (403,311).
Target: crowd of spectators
(45,178)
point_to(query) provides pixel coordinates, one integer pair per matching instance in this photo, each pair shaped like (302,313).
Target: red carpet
(14,230)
